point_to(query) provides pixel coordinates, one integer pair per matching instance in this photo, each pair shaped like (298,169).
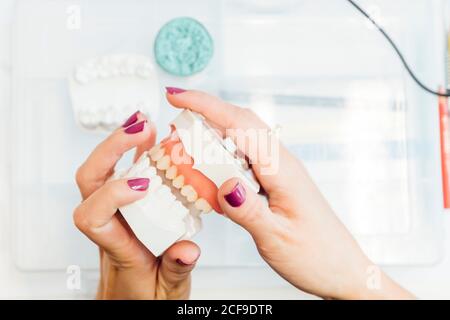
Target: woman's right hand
(297,233)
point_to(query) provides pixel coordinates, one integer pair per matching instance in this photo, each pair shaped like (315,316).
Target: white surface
(429,282)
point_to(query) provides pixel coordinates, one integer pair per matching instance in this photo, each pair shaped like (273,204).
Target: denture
(185,171)
(105,90)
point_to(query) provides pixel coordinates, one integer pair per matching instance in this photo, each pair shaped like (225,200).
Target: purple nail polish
(173,90)
(135,128)
(131,120)
(181,263)
(139,184)
(237,196)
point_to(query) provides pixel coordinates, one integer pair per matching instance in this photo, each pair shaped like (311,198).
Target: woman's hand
(297,232)
(127,269)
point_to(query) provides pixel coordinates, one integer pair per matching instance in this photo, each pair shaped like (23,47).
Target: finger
(100,164)
(251,135)
(148,143)
(176,266)
(246,208)
(221,113)
(96,217)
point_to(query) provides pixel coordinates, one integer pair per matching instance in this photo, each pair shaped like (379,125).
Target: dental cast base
(185,171)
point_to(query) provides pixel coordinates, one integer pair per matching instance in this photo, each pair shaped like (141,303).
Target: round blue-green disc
(183,47)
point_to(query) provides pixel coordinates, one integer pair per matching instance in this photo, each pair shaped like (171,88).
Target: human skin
(296,233)
(128,270)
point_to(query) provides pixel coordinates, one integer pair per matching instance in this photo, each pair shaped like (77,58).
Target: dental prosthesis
(105,90)
(185,171)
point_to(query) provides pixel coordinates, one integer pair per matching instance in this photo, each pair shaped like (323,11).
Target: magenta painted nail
(131,120)
(237,196)
(184,264)
(136,128)
(138,184)
(181,263)
(173,90)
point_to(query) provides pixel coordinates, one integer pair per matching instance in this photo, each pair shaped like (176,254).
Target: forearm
(388,290)
(126,285)
(374,284)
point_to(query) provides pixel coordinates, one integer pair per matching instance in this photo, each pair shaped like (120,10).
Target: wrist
(124,284)
(377,285)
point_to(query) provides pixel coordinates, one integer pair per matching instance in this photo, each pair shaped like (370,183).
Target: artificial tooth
(154,149)
(189,192)
(127,70)
(158,154)
(143,161)
(144,72)
(174,135)
(178,182)
(163,163)
(171,173)
(202,205)
(154,184)
(81,77)
(93,73)
(85,118)
(140,165)
(104,73)
(114,71)
(148,172)
(192,225)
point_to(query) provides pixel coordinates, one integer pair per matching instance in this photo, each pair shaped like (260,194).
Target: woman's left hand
(128,270)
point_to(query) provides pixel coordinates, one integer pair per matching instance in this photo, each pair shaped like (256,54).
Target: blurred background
(368,134)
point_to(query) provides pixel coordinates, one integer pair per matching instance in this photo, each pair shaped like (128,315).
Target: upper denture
(202,185)
(171,173)
(163,163)
(156,153)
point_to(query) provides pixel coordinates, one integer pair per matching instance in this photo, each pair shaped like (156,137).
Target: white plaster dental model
(185,171)
(105,90)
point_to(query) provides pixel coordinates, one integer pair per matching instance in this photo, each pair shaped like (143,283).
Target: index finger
(221,113)
(251,135)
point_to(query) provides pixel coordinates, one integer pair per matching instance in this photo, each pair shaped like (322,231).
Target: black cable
(394,46)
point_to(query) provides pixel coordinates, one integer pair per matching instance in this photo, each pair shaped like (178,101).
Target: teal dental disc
(183,47)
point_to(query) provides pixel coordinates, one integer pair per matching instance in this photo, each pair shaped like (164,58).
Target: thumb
(245,207)
(174,278)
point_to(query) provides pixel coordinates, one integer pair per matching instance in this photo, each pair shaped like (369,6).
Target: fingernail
(131,120)
(237,196)
(173,90)
(181,263)
(135,128)
(139,184)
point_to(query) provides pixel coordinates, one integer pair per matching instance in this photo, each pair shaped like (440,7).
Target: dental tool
(105,90)
(185,171)
(396,49)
